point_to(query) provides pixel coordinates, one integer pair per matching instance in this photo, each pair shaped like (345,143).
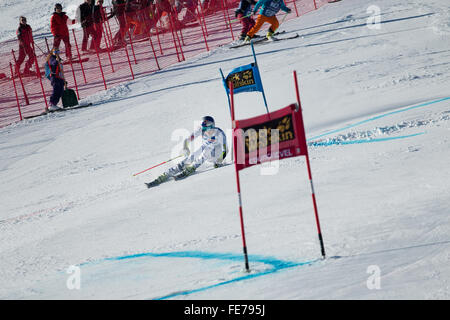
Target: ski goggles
(206,125)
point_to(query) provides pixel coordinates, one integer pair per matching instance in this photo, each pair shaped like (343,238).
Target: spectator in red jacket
(98,22)
(119,12)
(60,31)
(25,37)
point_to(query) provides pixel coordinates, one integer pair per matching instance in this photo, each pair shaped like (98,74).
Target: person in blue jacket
(267,13)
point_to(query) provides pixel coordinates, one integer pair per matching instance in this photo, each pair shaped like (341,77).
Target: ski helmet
(207,123)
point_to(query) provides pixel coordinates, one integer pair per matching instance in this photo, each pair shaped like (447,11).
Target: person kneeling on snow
(213,149)
(269,9)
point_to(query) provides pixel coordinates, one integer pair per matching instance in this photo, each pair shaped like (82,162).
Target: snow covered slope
(376,105)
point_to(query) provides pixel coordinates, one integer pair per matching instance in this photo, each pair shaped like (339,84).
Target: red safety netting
(148,48)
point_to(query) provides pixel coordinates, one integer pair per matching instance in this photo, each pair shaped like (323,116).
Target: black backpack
(69,98)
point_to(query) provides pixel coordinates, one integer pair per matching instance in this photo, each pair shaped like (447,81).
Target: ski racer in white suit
(213,150)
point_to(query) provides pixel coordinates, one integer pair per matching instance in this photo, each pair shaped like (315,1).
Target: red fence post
(46,43)
(227,18)
(27,102)
(295,6)
(15,91)
(100,65)
(203,31)
(129,62)
(173,37)
(224,14)
(38,72)
(105,36)
(315,5)
(153,49)
(79,56)
(203,17)
(74,79)
(176,33)
(157,36)
(109,31)
(132,48)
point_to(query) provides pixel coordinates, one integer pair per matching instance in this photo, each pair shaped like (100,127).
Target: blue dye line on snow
(338,142)
(276,265)
(379,117)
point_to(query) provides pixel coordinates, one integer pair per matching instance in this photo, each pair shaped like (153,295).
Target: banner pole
(262,87)
(322,247)
(224,81)
(247,268)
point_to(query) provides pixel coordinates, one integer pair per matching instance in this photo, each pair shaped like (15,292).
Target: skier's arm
(259,4)
(186,141)
(284,8)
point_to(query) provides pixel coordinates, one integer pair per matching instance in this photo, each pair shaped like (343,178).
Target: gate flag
(255,142)
(245,79)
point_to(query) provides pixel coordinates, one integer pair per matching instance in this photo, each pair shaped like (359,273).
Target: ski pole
(284,18)
(239,19)
(157,165)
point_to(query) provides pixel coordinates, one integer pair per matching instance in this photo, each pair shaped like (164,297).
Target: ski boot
(270,36)
(188,170)
(247,39)
(162,178)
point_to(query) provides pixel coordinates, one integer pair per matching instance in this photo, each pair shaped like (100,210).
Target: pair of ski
(80,106)
(183,175)
(260,40)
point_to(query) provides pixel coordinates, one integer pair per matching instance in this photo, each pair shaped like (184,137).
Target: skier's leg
(258,24)
(30,61)
(68,47)
(20,59)
(274,24)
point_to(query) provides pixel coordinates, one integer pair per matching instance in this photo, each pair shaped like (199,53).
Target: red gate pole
(238,183)
(15,91)
(27,102)
(315,5)
(132,47)
(203,31)
(129,62)
(322,247)
(79,56)
(100,65)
